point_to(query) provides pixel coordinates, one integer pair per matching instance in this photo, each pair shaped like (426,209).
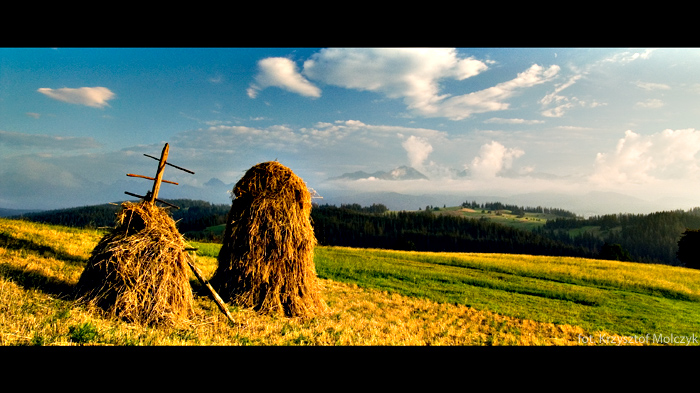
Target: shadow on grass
(35,280)
(12,243)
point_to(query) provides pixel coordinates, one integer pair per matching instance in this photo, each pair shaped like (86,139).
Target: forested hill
(192,215)
(425,231)
(650,238)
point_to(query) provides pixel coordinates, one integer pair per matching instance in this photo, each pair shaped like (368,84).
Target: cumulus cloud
(409,73)
(493,158)
(418,150)
(639,159)
(96,97)
(282,73)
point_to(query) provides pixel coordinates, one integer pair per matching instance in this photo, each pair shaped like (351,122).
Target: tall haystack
(266,261)
(139,270)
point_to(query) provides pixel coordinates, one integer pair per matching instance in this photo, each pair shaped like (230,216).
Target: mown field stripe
(612,309)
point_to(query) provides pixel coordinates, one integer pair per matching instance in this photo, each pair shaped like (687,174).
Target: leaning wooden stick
(146,197)
(217,298)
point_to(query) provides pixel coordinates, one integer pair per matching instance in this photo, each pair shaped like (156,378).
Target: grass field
(373,297)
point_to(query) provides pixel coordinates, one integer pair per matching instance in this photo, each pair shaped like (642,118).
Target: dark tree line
(193,215)
(375,208)
(80,217)
(648,238)
(422,231)
(517,210)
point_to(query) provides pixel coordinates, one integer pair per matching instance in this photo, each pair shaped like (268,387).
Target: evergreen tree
(614,252)
(689,248)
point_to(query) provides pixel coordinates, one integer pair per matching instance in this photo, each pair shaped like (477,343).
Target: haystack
(266,260)
(139,270)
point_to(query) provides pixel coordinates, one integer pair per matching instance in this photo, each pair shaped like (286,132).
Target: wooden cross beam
(152,196)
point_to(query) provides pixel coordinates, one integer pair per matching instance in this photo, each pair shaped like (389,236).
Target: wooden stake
(217,298)
(159,173)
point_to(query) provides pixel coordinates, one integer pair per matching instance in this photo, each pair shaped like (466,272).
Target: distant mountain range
(400,173)
(592,203)
(217,192)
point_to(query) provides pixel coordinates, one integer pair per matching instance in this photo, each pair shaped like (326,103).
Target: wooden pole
(159,173)
(217,298)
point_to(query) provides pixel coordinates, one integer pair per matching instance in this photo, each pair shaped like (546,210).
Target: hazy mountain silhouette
(401,173)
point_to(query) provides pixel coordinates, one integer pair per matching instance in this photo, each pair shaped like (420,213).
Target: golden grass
(623,274)
(32,313)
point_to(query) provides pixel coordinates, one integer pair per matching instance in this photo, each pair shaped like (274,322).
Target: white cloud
(96,97)
(418,150)
(562,103)
(652,86)
(492,159)
(557,111)
(639,159)
(283,73)
(554,96)
(499,120)
(650,104)
(556,105)
(628,56)
(409,73)
(412,74)
(493,98)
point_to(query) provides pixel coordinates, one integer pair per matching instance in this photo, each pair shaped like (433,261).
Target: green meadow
(619,297)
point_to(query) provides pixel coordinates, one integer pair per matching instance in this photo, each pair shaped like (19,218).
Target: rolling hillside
(373,297)
(471,227)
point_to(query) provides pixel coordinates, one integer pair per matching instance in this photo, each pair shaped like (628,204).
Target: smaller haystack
(139,270)
(266,260)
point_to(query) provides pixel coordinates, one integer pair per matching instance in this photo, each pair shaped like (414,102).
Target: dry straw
(139,270)
(266,261)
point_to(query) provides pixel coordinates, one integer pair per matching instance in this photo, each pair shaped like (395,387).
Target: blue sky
(475,121)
